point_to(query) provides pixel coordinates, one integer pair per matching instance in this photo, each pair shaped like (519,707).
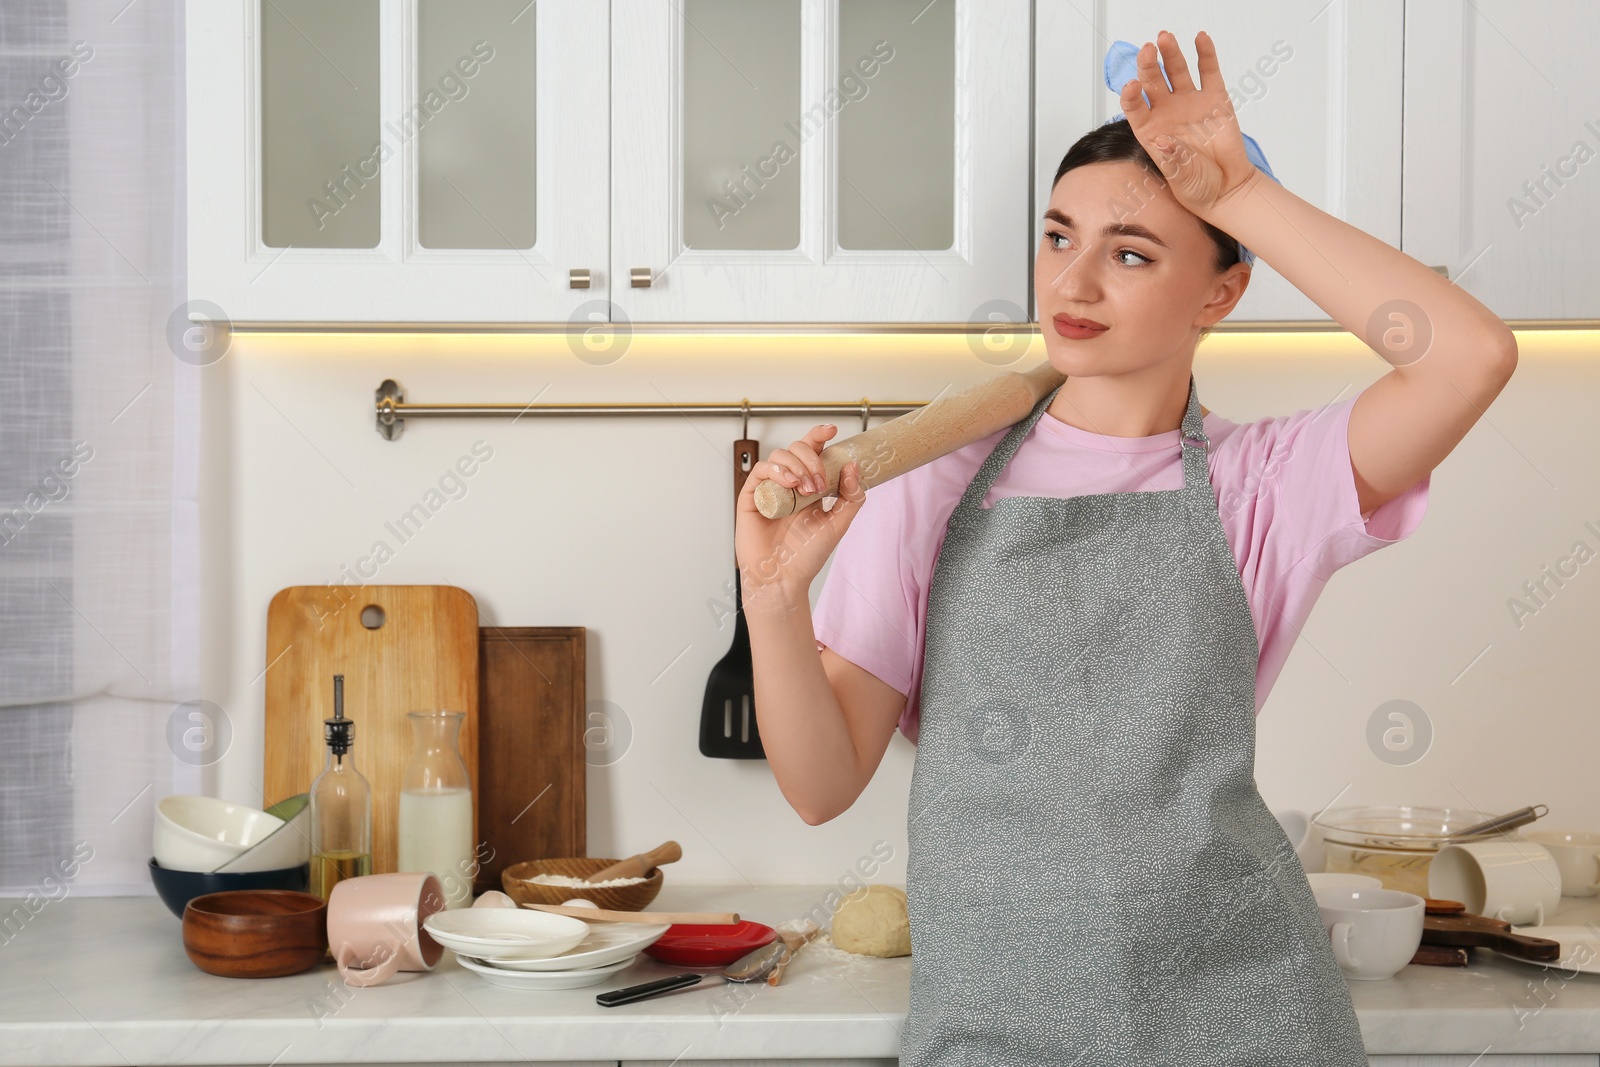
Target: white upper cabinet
(1502,158)
(582,161)
(396,160)
(819,160)
(835,161)
(1316,83)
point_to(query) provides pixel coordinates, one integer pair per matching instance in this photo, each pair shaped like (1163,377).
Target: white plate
(569,979)
(1580,947)
(500,933)
(606,943)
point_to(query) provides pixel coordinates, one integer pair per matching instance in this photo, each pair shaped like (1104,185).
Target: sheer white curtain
(99,446)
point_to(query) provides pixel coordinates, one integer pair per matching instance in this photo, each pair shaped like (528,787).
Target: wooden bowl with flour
(516,880)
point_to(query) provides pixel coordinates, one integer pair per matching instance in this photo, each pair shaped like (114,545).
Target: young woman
(1077,618)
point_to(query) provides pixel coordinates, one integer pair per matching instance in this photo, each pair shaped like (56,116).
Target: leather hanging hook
(745,406)
(866,413)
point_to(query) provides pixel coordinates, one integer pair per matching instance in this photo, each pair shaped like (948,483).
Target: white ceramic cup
(1516,881)
(1577,854)
(1374,932)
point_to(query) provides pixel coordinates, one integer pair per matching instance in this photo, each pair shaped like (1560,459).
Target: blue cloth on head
(1122,67)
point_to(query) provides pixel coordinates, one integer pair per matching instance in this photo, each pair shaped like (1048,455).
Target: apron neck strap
(1192,437)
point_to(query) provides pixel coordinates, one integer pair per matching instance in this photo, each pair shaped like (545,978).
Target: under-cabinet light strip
(1264,326)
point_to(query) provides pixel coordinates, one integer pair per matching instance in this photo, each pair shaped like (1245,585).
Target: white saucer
(568,979)
(1580,947)
(606,943)
(499,933)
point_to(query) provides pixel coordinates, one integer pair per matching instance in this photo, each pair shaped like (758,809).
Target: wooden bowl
(256,933)
(616,897)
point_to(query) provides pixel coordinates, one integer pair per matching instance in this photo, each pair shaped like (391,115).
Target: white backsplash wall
(625,526)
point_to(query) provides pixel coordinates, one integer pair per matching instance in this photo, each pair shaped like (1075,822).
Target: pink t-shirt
(1285,493)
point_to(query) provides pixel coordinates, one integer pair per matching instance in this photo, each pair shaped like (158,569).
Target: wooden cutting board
(532,725)
(401,648)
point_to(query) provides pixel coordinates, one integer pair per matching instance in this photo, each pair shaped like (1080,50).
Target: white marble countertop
(104,980)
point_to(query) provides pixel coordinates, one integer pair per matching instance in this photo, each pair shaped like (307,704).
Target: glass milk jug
(436,806)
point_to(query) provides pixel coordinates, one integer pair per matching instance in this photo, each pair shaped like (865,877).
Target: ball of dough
(873,922)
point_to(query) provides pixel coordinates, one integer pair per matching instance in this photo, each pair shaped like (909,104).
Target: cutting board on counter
(401,648)
(532,752)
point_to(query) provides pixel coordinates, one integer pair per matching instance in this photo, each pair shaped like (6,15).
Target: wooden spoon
(796,940)
(636,866)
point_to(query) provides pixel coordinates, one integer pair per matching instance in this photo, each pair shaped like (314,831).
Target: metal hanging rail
(392,409)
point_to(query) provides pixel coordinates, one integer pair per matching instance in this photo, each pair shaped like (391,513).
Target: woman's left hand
(1205,164)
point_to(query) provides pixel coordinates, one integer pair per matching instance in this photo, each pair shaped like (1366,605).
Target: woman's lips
(1078,329)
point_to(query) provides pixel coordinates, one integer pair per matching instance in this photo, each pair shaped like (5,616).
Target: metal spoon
(751,967)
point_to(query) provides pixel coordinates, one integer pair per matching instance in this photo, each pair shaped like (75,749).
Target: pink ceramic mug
(375,925)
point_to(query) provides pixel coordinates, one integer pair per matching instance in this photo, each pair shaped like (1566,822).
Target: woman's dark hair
(1114,142)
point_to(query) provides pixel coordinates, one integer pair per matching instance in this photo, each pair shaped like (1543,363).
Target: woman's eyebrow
(1111,229)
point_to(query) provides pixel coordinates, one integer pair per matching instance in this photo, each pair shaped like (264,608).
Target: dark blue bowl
(177,888)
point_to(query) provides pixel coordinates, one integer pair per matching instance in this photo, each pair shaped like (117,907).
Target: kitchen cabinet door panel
(1502,152)
(397,160)
(1317,85)
(818,160)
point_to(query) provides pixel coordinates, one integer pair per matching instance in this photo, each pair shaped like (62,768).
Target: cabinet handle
(641,277)
(1441,268)
(578,278)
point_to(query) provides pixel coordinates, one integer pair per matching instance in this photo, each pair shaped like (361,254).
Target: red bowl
(713,945)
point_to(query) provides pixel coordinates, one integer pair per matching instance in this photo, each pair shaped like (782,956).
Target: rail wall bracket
(390,424)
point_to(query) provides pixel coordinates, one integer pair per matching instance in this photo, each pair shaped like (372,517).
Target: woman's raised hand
(1205,161)
(779,558)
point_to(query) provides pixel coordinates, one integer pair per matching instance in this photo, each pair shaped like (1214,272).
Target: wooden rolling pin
(705,918)
(635,866)
(905,443)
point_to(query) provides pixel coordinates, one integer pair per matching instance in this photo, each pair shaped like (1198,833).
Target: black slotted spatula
(728,713)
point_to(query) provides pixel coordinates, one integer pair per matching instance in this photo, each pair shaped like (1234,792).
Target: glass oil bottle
(341,806)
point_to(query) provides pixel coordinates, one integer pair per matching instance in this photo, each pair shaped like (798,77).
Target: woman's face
(1152,281)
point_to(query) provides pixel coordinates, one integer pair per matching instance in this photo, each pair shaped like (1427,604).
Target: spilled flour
(820,958)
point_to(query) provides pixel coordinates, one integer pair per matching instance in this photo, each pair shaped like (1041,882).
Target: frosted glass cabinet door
(398,160)
(819,160)
(1316,84)
(476,173)
(1500,170)
(319,117)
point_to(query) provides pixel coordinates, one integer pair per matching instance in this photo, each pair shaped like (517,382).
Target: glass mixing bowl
(1395,843)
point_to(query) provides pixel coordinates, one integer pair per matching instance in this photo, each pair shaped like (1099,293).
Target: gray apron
(1093,878)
